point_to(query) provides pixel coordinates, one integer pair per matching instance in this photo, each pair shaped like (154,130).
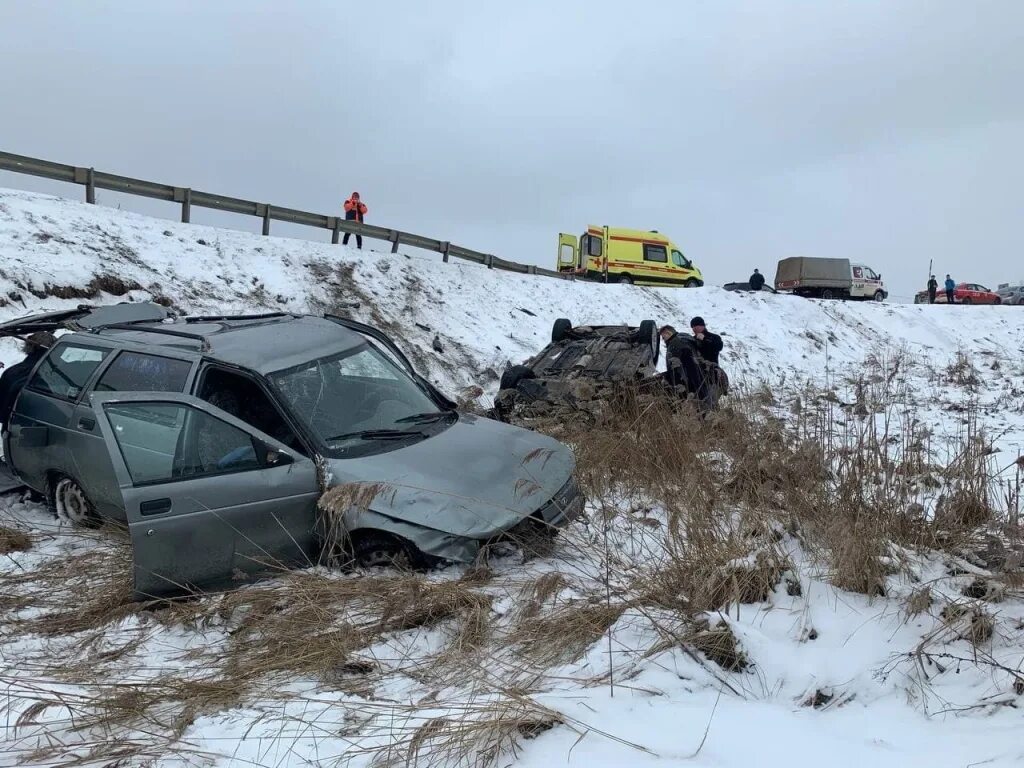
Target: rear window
(136,372)
(65,371)
(655,253)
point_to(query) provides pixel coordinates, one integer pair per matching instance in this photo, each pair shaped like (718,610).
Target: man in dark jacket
(13,380)
(756,281)
(708,344)
(355,210)
(684,365)
(933,287)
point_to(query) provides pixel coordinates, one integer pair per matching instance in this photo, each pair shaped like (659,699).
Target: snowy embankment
(829,677)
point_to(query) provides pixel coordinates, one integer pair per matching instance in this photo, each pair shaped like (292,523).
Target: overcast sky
(888,132)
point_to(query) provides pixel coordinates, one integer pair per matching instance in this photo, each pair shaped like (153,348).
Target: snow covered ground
(834,678)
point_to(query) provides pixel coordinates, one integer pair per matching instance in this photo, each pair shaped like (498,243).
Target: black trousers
(359,240)
(949,297)
(931,295)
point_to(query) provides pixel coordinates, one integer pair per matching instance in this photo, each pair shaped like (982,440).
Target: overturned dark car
(579,369)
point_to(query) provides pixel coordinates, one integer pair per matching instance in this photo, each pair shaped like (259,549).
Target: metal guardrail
(92,180)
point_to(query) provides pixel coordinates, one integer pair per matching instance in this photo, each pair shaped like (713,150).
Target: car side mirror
(272,457)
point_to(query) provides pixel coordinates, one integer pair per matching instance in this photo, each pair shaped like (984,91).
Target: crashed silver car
(215,438)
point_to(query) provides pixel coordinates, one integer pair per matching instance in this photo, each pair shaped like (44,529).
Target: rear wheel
(561,329)
(626,279)
(828,293)
(965,300)
(70,504)
(649,331)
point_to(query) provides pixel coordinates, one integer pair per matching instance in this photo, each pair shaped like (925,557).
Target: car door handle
(87,424)
(155,506)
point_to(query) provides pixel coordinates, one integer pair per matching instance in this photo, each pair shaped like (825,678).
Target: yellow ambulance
(617,255)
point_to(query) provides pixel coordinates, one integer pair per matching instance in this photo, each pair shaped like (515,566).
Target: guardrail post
(394,238)
(266,219)
(186,207)
(90,186)
(334,231)
(445,248)
(531,269)
(489,260)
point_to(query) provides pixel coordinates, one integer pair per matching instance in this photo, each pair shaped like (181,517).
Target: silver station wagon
(216,440)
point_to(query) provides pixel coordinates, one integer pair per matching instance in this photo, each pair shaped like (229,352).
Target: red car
(964,293)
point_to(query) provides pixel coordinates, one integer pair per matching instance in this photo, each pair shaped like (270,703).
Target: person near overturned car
(13,379)
(684,366)
(933,288)
(355,210)
(950,290)
(756,281)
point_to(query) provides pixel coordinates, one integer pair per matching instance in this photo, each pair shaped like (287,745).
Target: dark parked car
(746,287)
(580,365)
(214,439)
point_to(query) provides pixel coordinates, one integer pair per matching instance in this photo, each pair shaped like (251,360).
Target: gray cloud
(881,131)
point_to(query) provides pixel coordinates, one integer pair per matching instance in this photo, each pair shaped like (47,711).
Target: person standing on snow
(950,290)
(933,287)
(756,281)
(14,378)
(355,209)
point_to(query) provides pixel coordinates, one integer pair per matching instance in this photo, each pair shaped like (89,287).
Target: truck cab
(630,256)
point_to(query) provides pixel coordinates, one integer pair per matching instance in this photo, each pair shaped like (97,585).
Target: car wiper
(425,418)
(378,434)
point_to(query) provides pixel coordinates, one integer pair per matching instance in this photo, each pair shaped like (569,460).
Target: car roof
(264,344)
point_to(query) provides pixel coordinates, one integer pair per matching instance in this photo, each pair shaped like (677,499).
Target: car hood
(474,479)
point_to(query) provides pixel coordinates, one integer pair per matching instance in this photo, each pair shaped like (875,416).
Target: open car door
(208,498)
(568,253)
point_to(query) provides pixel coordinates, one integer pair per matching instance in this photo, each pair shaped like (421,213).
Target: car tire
(510,379)
(377,549)
(998,300)
(69,503)
(649,330)
(828,293)
(693,282)
(965,300)
(561,329)
(879,296)
(625,279)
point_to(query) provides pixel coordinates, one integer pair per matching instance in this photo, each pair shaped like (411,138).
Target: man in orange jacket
(355,209)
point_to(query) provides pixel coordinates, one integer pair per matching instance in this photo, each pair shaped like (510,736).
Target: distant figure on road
(950,290)
(355,209)
(933,286)
(756,281)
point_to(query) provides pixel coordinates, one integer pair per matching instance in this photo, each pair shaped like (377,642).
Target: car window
(162,442)
(136,372)
(593,245)
(657,253)
(858,273)
(869,274)
(66,370)
(679,260)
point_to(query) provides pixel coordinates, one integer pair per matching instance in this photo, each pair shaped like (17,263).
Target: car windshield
(359,402)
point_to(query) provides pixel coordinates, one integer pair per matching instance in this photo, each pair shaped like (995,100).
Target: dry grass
(565,634)
(13,540)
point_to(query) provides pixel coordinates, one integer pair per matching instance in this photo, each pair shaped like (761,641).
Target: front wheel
(70,504)
(693,282)
(649,332)
(879,296)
